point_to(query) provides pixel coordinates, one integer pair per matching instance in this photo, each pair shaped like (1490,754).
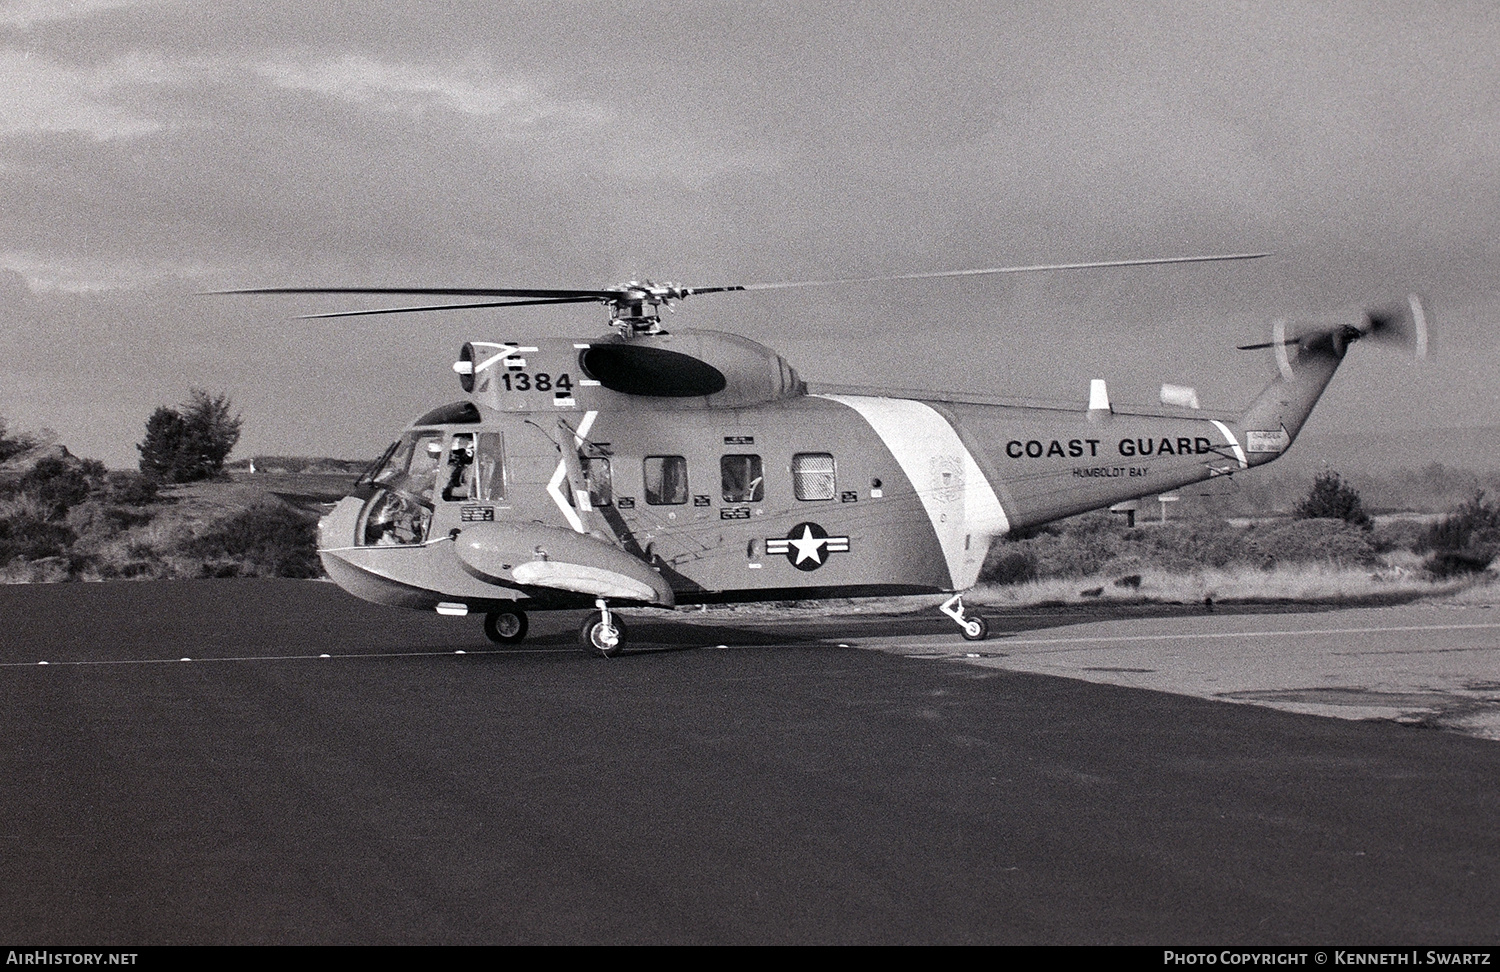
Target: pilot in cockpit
(461,468)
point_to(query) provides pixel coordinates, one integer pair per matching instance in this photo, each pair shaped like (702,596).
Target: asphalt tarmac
(416,786)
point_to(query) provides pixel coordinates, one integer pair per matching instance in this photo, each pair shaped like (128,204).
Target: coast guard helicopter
(656,467)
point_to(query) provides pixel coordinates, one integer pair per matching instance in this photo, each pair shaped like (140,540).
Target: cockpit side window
(412,466)
(426,459)
(459,479)
(489,468)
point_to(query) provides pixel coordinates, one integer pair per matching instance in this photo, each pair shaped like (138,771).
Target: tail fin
(1272,422)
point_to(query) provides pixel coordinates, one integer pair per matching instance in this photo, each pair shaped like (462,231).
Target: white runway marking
(259,658)
(1098,639)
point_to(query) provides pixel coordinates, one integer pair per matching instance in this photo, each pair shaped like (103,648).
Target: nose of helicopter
(336,528)
(344,565)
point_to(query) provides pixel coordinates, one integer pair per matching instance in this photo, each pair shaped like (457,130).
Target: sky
(152,151)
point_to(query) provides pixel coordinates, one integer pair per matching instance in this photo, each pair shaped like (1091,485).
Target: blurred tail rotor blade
(1405,325)
(1278,345)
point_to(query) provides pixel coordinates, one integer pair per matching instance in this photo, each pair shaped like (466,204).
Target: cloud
(44,96)
(470,89)
(78,275)
(27,13)
(574,132)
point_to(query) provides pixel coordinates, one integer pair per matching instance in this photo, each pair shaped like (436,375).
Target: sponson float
(648,467)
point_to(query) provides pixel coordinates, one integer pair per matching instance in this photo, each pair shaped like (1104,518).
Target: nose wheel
(506,626)
(973,627)
(603,632)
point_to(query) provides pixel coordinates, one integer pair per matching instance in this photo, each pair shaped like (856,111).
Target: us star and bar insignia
(807,546)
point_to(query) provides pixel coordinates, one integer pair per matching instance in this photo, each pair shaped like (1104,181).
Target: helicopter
(648,467)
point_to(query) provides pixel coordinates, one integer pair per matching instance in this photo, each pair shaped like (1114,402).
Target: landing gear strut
(974,628)
(506,626)
(603,632)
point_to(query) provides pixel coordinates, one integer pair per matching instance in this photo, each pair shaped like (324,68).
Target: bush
(1444,564)
(29,535)
(1467,540)
(1400,535)
(1010,567)
(189,443)
(269,540)
(1334,542)
(129,488)
(1186,547)
(1333,499)
(93,520)
(1094,545)
(57,485)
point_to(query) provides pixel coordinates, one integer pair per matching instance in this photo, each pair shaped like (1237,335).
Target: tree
(162,450)
(1333,499)
(190,442)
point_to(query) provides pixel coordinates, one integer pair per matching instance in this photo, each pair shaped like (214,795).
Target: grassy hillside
(63,518)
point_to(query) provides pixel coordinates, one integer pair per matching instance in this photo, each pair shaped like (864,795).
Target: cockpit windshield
(412,466)
(401,509)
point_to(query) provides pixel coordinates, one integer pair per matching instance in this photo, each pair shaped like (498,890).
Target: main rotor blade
(1101,264)
(443,307)
(547,295)
(633,293)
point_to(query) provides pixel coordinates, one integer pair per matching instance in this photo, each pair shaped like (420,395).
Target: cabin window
(600,481)
(489,468)
(666,480)
(742,478)
(813,476)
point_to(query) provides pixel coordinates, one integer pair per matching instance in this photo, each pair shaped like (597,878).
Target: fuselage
(551,486)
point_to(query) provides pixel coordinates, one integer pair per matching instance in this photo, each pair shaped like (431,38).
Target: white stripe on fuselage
(554,485)
(1234,443)
(960,502)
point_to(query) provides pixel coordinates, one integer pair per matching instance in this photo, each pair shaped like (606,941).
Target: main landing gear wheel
(505,627)
(975,628)
(603,633)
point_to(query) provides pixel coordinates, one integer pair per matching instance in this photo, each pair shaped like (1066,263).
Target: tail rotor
(1404,325)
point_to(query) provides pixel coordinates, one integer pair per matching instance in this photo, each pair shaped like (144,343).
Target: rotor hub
(635,307)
